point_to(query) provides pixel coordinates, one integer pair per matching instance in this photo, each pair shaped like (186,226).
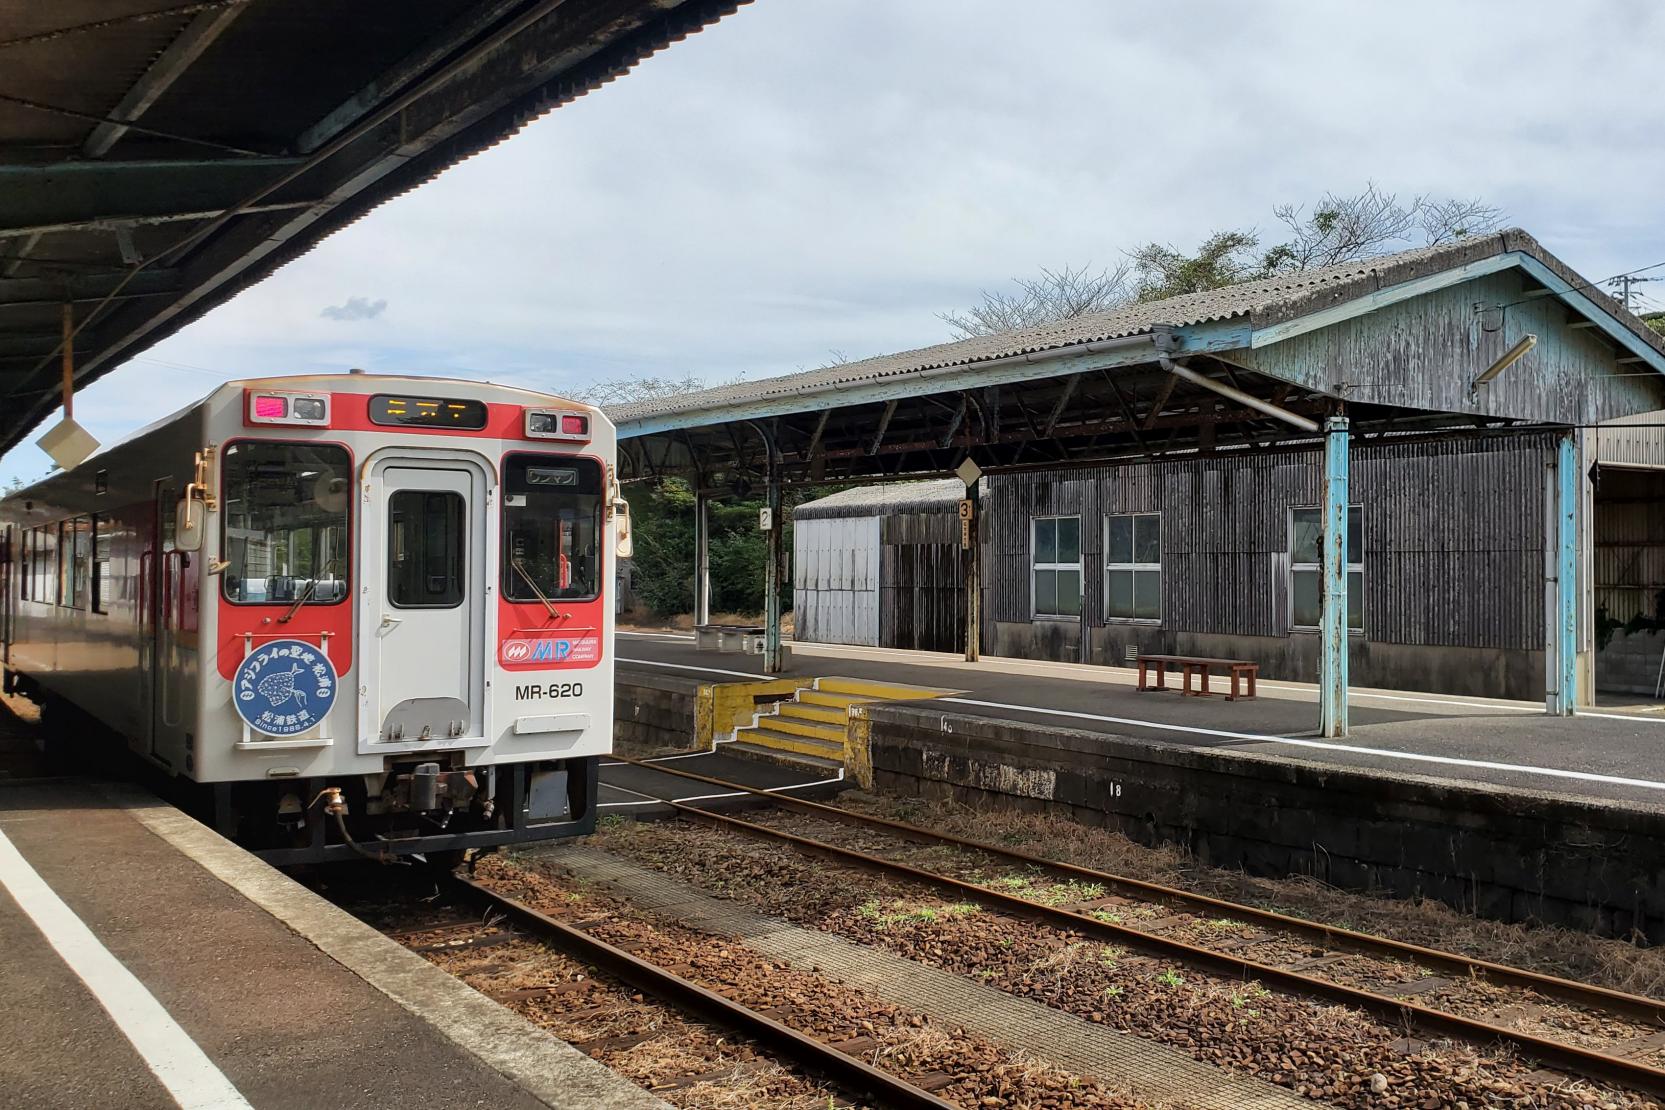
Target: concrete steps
(811,728)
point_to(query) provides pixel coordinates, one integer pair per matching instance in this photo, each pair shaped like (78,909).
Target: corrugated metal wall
(1453,537)
(835,580)
(921,582)
(1632,441)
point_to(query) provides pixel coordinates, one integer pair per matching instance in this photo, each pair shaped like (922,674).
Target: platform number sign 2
(285,688)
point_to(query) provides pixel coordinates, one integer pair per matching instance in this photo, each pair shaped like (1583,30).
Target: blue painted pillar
(772,663)
(1561,654)
(1332,621)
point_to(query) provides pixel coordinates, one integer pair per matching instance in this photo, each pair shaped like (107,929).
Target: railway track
(1574,1059)
(847,1071)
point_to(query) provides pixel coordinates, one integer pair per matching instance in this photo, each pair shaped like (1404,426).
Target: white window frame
(1318,568)
(1034,566)
(1109,566)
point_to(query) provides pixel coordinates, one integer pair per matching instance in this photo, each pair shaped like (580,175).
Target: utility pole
(1623,283)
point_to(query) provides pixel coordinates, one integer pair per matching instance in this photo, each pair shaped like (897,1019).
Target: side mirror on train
(189,522)
(626,545)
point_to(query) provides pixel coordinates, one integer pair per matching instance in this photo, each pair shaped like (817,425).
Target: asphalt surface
(1605,754)
(286,1024)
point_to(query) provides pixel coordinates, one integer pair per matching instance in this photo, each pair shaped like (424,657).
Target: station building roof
(1262,308)
(1401,343)
(157,158)
(937,495)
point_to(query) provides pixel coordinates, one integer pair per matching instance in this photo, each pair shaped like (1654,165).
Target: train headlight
(310,409)
(573,427)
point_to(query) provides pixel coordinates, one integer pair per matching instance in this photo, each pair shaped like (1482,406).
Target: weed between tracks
(971,1070)
(1547,949)
(1326,1052)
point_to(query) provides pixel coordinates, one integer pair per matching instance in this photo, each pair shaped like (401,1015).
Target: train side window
(62,566)
(285,522)
(551,528)
(427,539)
(100,563)
(77,552)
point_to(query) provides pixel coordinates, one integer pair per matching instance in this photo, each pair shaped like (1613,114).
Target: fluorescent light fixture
(1510,357)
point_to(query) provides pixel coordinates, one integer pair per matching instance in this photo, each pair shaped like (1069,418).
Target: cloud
(355,308)
(831,174)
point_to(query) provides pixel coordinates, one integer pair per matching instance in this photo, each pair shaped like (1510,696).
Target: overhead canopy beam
(1186,374)
(117,223)
(42,197)
(169,65)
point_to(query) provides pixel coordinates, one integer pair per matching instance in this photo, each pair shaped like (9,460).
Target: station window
(1306,586)
(552,523)
(1057,566)
(25,562)
(1133,567)
(285,522)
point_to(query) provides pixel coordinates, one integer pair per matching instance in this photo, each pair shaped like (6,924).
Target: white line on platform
(176,1060)
(1324,745)
(651,800)
(687,667)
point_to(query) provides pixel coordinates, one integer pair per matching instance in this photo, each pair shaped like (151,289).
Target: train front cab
(458,585)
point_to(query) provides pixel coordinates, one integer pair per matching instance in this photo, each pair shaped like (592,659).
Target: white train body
(445,546)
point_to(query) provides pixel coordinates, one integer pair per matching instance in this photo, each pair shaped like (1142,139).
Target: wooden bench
(1243,674)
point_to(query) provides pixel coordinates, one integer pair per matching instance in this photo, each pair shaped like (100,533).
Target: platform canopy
(158,156)
(1403,343)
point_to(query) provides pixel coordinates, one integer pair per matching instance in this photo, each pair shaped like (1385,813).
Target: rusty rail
(849,1072)
(1596,997)
(1571,1058)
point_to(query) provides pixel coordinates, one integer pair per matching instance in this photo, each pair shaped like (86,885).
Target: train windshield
(551,525)
(285,519)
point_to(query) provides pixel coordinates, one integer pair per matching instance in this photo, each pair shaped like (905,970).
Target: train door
(424,615)
(156,689)
(8,590)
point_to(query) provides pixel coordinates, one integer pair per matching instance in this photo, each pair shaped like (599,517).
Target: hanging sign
(284,688)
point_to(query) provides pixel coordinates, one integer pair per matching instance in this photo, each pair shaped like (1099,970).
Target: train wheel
(65,736)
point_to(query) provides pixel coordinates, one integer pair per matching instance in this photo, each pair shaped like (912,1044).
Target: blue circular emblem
(284,688)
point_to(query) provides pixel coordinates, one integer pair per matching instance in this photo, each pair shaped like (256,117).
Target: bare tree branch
(1056,295)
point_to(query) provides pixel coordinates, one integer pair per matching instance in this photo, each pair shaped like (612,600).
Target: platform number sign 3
(285,688)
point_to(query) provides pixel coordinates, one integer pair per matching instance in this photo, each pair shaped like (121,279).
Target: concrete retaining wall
(653,714)
(1629,664)
(1506,854)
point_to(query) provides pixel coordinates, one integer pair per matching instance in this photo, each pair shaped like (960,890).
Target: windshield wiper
(306,593)
(524,573)
(300,600)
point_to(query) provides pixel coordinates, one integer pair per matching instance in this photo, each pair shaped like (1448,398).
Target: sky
(819,178)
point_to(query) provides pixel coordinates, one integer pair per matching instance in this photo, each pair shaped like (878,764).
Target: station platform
(147,962)
(1609,753)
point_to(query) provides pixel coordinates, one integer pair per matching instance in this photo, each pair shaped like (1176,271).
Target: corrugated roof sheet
(883,499)
(1267,301)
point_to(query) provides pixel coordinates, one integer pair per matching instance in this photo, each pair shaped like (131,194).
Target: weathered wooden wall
(1453,558)
(1422,353)
(921,582)
(1453,537)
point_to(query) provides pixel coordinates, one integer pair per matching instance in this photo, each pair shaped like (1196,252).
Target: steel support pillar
(702,560)
(1561,620)
(772,576)
(1332,621)
(973,575)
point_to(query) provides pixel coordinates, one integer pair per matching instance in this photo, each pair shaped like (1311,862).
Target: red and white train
(369,614)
